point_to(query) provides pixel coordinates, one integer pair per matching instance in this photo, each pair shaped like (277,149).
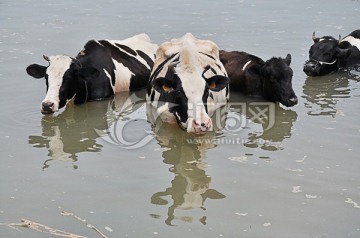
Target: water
(292,172)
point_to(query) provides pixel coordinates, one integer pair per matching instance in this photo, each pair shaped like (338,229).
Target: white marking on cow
(321,39)
(193,85)
(109,77)
(56,70)
(137,43)
(123,76)
(245,65)
(353,41)
(165,114)
(122,73)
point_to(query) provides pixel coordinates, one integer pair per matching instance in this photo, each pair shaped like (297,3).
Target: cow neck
(82,91)
(263,92)
(262,81)
(86,91)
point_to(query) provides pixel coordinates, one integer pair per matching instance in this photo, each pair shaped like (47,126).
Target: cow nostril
(310,66)
(47,106)
(293,100)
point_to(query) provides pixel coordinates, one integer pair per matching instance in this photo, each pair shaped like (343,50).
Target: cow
(101,69)
(327,54)
(252,76)
(188,83)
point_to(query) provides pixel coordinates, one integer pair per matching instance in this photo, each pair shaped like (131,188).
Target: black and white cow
(250,75)
(188,83)
(100,70)
(328,54)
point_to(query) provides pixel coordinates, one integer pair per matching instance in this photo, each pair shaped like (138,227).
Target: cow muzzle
(47,108)
(292,101)
(200,126)
(311,68)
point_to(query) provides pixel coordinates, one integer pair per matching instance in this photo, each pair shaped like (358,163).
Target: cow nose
(309,66)
(47,107)
(201,125)
(293,101)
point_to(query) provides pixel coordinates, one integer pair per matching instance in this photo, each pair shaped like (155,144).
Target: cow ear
(36,71)
(163,85)
(288,59)
(88,73)
(343,53)
(217,82)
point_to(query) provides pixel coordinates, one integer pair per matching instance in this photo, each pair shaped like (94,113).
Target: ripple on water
(20,117)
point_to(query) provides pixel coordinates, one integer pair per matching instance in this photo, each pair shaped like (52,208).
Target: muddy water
(265,171)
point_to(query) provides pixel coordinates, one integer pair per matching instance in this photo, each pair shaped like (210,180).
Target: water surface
(290,172)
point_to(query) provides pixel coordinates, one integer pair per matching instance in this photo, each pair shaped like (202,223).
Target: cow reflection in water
(276,122)
(78,128)
(191,185)
(323,93)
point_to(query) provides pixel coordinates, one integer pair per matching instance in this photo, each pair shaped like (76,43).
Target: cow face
(324,55)
(277,81)
(65,80)
(188,96)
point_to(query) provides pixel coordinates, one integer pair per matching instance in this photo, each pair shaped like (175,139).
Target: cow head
(65,80)
(190,93)
(324,55)
(277,81)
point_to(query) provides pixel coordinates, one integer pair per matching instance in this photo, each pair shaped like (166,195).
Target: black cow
(101,69)
(328,54)
(252,76)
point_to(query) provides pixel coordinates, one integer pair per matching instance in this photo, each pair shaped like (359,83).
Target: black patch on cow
(210,56)
(148,60)
(345,45)
(206,68)
(140,72)
(211,95)
(126,48)
(205,98)
(181,106)
(161,66)
(97,55)
(152,96)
